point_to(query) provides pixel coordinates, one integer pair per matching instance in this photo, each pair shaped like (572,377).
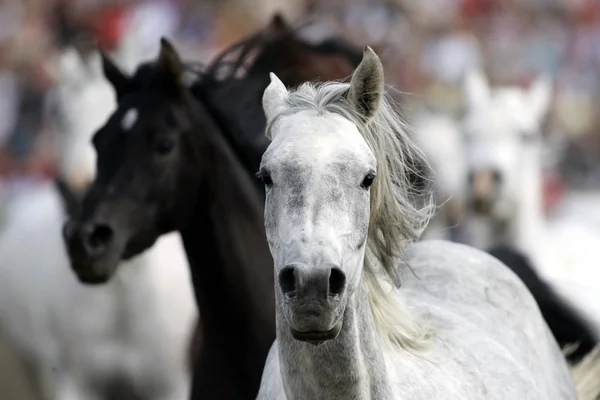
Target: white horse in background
(125,340)
(337,216)
(504,147)
(78,104)
(439,136)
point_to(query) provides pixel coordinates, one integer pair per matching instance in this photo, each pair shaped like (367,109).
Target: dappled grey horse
(339,222)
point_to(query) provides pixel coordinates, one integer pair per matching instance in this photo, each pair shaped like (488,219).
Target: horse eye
(265,178)
(164,146)
(368,181)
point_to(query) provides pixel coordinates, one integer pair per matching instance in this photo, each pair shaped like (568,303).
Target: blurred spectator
(426,45)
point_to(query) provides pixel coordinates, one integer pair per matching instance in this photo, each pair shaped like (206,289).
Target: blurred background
(426,46)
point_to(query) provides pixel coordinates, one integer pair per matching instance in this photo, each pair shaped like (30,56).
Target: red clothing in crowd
(109,25)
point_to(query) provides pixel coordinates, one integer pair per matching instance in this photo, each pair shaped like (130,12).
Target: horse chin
(93,280)
(139,245)
(317,338)
(95,273)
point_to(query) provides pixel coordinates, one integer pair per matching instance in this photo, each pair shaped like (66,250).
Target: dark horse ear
(367,85)
(170,66)
(279,24)
(120,82)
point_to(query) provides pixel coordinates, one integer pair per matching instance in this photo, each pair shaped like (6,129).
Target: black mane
(241,72)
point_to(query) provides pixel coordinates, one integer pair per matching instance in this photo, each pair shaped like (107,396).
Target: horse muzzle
(92,250)
(313,299)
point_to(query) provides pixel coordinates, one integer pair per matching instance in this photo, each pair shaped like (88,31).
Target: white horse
(439,136)
(84,342)
(504,148)
(337,215)
(77,106)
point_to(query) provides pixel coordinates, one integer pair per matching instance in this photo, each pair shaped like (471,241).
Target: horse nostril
(337,282)
(481,205)
(99,238)
(287,281)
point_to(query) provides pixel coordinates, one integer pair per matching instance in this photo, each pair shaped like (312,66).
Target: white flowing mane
(399,212)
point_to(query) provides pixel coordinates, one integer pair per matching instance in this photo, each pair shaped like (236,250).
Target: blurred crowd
(426,46)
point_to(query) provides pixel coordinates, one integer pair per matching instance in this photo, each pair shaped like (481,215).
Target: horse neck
(243,117)
(231,270)
(527,226)
(352,366)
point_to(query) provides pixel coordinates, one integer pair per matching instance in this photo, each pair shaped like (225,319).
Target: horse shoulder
(31,280)
(487,323)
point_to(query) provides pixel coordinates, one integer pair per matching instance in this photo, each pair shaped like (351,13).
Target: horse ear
(540,95)
(476,87)
(366,85)
(120,82)
(278,23)
(94,63)
(69,63)
(274,99)
(169,63)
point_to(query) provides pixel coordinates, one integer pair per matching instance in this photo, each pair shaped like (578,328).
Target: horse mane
(230,63)
(256,53)
(399,210)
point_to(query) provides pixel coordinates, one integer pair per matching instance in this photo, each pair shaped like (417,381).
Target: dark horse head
(178,157)
(163,164)
(144,175)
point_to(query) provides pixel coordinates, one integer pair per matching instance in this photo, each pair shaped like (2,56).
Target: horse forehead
(133,112)
(503,118)
(516,102)
(324,138)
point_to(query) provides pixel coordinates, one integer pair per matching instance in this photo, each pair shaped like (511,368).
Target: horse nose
(97,237)
(300,281)
(484,182)
(93,237)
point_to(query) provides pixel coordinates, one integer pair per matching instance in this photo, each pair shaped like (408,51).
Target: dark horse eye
(265,178)
(164,146)
(368,181)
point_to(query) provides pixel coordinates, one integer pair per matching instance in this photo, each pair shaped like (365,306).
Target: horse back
(487,321)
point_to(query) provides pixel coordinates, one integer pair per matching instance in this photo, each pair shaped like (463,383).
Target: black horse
(171,158)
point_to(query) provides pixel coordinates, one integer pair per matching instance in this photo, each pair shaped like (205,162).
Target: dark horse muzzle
(92,249)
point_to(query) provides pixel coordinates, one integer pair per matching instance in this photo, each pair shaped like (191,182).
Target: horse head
(143,178)
(503,137)
(80,101)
